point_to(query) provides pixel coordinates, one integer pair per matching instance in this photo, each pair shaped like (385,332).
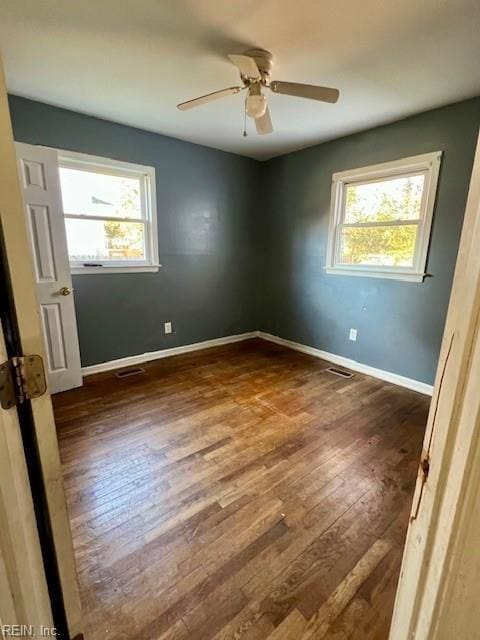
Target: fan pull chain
(245,120)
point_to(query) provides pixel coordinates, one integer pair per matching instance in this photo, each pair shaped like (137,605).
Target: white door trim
(441,513)
(26,307)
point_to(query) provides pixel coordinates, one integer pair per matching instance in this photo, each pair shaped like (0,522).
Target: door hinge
(21,378)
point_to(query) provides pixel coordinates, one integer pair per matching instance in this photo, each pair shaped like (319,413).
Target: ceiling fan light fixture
(256,105)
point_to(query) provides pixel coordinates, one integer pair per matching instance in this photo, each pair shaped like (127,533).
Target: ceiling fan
(255,66)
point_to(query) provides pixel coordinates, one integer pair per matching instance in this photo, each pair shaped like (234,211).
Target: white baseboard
(165,353)
(402,381)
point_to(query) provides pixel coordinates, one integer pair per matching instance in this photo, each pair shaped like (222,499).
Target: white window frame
(146,174)
(429,165)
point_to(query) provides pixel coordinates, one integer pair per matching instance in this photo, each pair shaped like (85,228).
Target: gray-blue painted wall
(399,324)
(206,238)
(242,243)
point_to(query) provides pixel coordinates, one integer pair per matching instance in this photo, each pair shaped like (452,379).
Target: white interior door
(40,184)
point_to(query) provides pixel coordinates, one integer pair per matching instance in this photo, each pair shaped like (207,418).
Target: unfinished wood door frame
(441,511)
(24,596)
(29,328)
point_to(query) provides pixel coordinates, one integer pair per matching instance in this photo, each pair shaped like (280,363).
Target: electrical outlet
(168,327)
(353,335)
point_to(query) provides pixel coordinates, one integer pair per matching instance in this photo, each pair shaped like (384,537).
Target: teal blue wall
(204,284)
(399,324)
(260,264)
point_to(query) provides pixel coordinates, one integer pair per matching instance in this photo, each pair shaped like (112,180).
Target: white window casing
(146,177)
(427,164)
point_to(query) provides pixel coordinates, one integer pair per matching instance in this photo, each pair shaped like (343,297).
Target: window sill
(365,273)
(151,268)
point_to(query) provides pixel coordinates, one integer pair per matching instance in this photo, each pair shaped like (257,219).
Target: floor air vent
(340,372)
(134,371)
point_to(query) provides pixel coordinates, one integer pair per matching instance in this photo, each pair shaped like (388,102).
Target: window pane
(97,194)
(386,246)
(102,240)
(392,199)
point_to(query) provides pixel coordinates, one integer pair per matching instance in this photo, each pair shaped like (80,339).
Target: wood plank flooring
(239,493)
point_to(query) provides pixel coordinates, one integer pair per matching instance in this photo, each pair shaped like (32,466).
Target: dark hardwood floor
(239,493)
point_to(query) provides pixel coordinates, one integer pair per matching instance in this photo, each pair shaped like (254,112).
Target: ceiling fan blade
(209,97)
(246,65)
(264,123)
(311,91)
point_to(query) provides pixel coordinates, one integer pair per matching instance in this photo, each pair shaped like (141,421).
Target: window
(380,219)
(110,214)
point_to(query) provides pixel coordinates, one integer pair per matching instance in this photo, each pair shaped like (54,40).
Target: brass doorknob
(65,291)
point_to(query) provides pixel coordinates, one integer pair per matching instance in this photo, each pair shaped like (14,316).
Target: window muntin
(110,216)
(380,218)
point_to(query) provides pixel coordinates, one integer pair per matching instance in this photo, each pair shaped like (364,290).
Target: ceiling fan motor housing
(264,60)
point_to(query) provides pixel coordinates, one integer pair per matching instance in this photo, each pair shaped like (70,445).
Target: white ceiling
(132,61)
